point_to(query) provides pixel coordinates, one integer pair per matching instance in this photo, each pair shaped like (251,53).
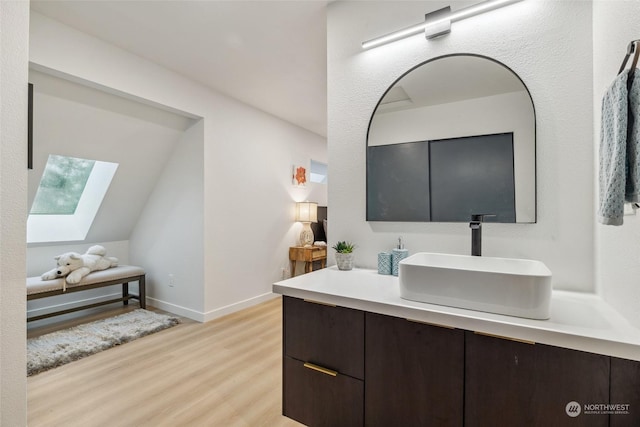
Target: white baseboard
(213,314)
(71,304)
(68,305)
(232,308)
(163,305)
(198,316)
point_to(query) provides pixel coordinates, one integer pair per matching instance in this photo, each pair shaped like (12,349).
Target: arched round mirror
(452,137)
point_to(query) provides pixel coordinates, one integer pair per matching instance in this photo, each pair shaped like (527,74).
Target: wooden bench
(122,274)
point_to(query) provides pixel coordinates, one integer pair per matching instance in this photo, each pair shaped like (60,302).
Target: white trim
(71,304)
(65,228)
(67,305)
(198,316)
(213,314)
(232,308)
(156,303)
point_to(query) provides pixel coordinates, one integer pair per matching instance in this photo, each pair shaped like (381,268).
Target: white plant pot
(344,261)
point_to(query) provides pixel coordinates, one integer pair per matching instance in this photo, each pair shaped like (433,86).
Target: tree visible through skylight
(68,198)
(61,186)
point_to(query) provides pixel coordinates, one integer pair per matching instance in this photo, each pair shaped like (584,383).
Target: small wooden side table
(308,255)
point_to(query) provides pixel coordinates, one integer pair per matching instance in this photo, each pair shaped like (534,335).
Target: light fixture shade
(438,23)
(307,212)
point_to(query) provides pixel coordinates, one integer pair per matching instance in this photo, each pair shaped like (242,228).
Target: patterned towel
(619,149)
(632,187)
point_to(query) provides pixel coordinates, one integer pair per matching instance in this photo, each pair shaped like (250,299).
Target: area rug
(61,347)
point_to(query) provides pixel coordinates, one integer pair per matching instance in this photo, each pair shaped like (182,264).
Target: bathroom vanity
(355,353)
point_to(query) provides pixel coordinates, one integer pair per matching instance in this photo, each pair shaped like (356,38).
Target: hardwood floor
(227,372)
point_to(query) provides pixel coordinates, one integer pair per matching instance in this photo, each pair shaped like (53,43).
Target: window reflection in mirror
(318,172)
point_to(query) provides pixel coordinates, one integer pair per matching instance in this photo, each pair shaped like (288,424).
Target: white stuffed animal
(76,266)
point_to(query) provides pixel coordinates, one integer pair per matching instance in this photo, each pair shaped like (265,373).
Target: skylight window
(70,193)
(63,181)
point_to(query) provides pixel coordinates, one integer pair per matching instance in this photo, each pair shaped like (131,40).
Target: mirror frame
(535,136)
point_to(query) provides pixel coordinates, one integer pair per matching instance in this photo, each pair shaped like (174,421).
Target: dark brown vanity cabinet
(625,391)
(528,384)
(346,367)
(323,369)
(414,373)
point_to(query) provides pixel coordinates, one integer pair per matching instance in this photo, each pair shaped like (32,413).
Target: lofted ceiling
(75,120)
(451,79)
(268,54)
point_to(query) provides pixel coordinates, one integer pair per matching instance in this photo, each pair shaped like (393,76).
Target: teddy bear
(75,266)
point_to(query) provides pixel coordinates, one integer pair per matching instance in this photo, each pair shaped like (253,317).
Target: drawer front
(332,337)
(319,254)
(317,398)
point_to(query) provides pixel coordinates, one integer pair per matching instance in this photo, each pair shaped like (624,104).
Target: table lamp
(306,213)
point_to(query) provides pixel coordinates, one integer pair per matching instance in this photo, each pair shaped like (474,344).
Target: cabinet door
(414,373)
(499,382)
(332,337)
(525,384)
(318,399)
(564,376)
(625,390)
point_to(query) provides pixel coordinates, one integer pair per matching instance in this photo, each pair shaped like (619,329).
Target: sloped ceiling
(78,121)
(268,54)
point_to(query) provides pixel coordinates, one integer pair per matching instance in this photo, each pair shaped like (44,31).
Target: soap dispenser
(397,255)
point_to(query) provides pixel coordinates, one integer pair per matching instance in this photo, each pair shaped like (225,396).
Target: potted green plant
(344,255)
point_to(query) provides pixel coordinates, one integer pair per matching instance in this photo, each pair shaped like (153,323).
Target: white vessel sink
(515,287)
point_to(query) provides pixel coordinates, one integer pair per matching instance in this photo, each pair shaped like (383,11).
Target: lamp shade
(307,212)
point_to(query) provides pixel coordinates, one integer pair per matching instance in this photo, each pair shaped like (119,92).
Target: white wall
(553,59)
(615,24)
(247,157)
(14,36)
(168,238)
(250,204)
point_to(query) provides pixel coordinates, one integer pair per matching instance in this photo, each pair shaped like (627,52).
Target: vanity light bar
(458,15)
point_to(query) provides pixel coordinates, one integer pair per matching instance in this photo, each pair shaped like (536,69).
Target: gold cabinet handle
(319,302)
(321,369)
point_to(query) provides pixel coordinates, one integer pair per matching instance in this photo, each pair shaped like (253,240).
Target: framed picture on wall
(299,176)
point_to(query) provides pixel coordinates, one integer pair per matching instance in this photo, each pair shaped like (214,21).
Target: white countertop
(578,321)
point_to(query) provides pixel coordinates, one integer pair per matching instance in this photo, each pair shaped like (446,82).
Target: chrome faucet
(476,233)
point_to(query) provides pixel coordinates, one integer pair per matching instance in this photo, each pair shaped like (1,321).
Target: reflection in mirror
(452,137)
